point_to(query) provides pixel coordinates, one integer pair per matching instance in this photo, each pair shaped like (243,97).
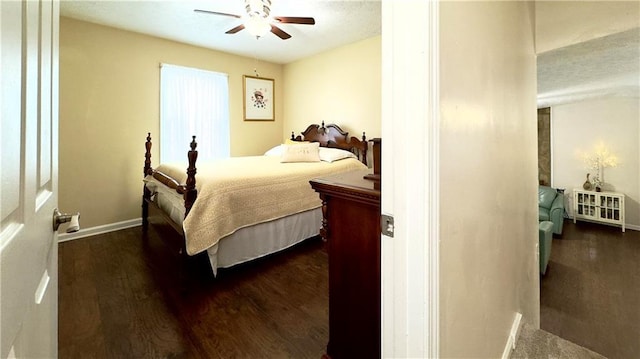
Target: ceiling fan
(258,20)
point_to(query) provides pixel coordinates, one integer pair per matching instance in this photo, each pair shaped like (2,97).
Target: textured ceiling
(603,67)
(337,23)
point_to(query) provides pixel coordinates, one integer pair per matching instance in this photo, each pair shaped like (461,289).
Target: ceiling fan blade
(281,34)
(295,20)
(235,29)
(216,13)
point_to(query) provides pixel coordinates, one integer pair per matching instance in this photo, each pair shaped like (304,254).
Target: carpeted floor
(537,344)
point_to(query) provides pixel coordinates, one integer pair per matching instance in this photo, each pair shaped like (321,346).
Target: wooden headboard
(333,136)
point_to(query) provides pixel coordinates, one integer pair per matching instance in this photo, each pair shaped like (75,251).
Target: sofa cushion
(543,214)
(546,195)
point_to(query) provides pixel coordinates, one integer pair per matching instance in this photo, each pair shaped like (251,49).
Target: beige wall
(578,128)
(488,178)
(564,23)
(109,100)
(339,86)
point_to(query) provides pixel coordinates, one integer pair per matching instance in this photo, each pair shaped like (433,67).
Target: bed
(242,208)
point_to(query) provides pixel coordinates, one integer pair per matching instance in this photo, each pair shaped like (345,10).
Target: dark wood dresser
(351,226)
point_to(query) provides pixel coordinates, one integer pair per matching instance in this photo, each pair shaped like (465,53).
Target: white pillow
(306,152)
(334,154)
(276,151)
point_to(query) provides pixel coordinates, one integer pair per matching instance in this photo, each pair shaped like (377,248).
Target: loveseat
(545,238)
(551,207)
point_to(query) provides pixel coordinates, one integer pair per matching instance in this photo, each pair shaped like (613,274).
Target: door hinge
(386,225)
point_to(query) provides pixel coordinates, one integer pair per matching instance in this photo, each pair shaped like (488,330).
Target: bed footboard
(187,190)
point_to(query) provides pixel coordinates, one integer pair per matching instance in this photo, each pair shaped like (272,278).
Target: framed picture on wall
(259,98)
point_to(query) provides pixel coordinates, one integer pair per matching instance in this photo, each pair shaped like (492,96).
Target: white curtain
(193,102)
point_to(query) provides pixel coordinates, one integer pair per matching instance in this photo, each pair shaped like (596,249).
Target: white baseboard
(626,226)
(632,226)
(86,232)
(513,336)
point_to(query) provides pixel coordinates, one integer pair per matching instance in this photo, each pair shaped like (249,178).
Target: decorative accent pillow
(305,152)
(333,154)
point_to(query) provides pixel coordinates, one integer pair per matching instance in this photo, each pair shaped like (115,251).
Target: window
(193,102)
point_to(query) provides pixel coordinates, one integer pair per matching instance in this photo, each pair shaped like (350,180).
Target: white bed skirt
(264,238)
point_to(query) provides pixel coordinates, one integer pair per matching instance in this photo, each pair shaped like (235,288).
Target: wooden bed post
(146,194)
(191,193)
(147,155)
(364,149)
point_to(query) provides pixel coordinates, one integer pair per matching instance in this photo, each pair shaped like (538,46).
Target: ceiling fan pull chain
(255,65)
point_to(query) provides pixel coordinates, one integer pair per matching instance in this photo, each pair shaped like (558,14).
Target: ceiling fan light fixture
(258,20)
(257,26)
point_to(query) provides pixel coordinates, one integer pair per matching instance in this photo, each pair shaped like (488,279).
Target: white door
(29,172)
(410,187)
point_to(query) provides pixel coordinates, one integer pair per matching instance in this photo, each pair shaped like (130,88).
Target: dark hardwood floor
(124,297)
(591,292)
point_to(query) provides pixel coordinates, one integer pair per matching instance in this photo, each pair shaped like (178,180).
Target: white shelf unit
(605,207)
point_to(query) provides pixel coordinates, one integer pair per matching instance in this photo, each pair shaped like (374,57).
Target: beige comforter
(241,191)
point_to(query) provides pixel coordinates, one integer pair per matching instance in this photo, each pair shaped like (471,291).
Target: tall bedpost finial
(293,137)
(191,192)
(365,148)
(147,155)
